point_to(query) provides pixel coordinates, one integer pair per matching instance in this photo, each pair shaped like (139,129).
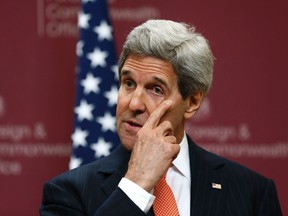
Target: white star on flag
(86,1)
(114,68)
(107,122)
(112,96)
(83,20)
(91,84)
(84,111)
(79,137)
(101,148)
(104,31)
(75,162)
(79,48)
(97,58)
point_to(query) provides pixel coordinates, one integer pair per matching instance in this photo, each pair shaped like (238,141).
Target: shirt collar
(182,162)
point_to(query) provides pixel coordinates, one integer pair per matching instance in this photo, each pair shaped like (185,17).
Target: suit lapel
(206,169)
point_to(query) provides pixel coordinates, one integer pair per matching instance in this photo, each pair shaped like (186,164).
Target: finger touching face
(158,113)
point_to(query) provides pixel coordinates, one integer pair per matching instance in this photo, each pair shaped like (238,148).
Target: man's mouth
(134,123)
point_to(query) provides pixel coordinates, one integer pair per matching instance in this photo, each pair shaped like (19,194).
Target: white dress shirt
(178,178)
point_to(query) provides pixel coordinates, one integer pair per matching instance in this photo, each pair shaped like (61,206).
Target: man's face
(145,82)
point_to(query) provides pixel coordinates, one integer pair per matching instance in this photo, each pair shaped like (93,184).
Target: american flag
(94,133)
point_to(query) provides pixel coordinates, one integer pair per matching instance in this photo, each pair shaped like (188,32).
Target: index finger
(157,114)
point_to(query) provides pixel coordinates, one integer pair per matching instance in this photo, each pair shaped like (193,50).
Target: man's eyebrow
(157,79)
(124,73)
(163,82)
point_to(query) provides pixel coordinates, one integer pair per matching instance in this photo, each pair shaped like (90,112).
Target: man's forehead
(147,64)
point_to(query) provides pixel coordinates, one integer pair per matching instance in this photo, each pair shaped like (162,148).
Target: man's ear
(193,103)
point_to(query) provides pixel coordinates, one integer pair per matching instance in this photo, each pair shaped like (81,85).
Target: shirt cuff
(138,195)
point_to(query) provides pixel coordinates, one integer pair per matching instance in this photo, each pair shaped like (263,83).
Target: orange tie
(165,203)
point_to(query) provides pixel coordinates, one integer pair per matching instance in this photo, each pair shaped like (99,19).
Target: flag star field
(94,134)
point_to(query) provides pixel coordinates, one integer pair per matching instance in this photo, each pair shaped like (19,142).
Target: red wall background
(244,117)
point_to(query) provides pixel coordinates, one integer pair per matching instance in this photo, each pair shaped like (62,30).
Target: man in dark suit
(165,71)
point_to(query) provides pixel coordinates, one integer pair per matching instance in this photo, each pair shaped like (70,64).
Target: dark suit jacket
(92,189)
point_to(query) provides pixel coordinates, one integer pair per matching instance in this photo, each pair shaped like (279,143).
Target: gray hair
(178,43)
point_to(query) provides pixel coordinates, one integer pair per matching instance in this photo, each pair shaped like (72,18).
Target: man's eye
(158,90)
(129,83)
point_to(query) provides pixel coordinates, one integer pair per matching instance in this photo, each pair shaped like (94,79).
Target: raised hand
(154,150)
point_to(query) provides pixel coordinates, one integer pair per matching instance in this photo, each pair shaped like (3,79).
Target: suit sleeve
(119,204)
(58,201)
(270,205)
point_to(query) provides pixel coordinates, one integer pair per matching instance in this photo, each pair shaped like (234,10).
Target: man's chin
(128,143)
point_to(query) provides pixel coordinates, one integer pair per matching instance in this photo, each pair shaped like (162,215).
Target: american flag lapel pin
(216,186)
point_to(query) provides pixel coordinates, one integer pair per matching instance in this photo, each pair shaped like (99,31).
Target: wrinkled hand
(154,150)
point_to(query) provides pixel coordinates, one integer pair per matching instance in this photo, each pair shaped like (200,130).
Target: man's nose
(137,102)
